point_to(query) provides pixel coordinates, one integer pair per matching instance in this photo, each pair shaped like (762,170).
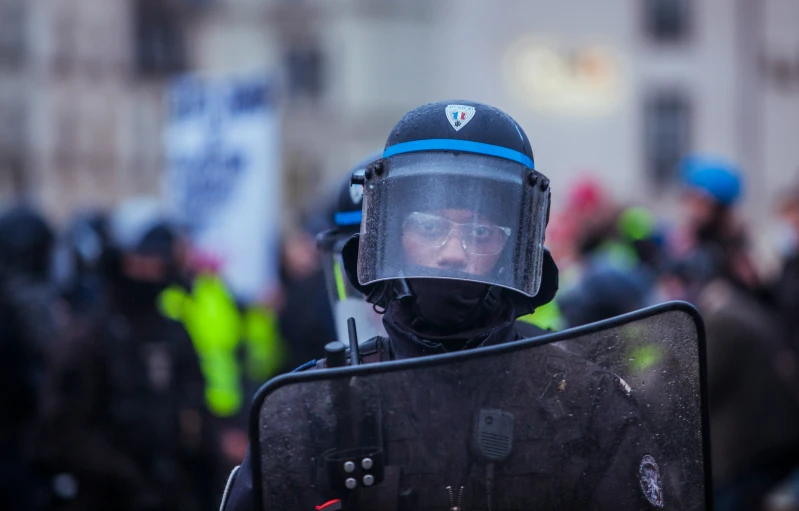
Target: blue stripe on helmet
(467,146)
(347,218)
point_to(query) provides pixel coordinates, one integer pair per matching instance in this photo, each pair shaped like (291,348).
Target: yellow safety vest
(548,317)
(217,328)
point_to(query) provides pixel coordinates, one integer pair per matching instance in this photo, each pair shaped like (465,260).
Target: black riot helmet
(144,243)
(346,300)
(346,211)
(456,196)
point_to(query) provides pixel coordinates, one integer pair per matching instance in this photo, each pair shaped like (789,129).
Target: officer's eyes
(428,227)
(481,231)
(431,227)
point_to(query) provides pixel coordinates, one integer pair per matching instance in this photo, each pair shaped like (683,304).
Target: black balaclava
(440,322)
(442,315)
(136,296)
(140,296)
(442,306)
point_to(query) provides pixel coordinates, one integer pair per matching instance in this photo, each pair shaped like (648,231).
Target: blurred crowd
(128,365)
(617,258)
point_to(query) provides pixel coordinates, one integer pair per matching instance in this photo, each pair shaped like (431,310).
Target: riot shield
(606,416)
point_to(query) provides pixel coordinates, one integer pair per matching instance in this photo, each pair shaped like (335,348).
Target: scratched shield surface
(610,414)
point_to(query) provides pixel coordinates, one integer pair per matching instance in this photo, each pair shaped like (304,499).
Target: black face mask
(451,306)
(138,296)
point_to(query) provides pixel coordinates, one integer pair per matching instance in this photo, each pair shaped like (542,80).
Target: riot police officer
(125,425)
(451,249)
(453,230)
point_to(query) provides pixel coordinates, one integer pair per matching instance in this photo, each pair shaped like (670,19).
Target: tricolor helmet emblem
(459,115)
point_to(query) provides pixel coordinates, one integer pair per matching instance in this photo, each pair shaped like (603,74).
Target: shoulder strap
(376,349)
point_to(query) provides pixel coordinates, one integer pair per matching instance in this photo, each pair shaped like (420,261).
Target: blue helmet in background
(719,179)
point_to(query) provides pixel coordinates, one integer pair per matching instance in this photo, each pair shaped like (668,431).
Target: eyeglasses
(434,232)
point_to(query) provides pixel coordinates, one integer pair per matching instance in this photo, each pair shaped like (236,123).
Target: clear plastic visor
(454,215)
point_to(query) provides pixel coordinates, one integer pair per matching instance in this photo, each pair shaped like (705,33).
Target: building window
(13,113)
(12,33)
(13,143)
(303,173)
(305,71)
(667,21)
(159,45)
(667,127)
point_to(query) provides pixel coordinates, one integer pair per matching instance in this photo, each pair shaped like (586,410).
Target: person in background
(785,290)
(30,322)
(239,347)
(617,261)
(712,188)
(751,370)
(124,421)
(786,286)
(305,317)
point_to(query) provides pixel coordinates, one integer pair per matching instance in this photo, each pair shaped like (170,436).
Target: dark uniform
(124,420)
(25,329)
(29,323)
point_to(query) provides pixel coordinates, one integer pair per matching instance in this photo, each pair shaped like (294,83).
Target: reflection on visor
(434,232)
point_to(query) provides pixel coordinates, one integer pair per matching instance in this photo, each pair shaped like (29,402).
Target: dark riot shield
(607,416)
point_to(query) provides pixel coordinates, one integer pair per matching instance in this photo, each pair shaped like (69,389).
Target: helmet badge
(459,115)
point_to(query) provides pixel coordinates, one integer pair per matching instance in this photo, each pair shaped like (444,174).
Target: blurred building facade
(619,88)
(81,84)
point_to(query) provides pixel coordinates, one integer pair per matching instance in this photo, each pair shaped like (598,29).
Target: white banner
(223,177)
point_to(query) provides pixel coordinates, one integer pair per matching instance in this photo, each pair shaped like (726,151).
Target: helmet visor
(454,215)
